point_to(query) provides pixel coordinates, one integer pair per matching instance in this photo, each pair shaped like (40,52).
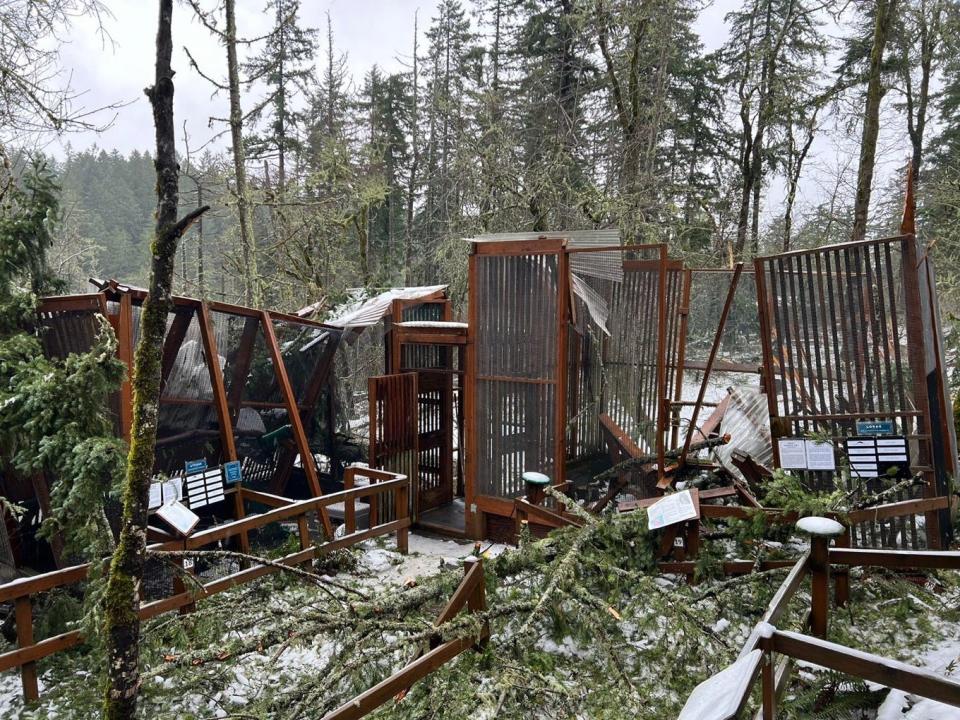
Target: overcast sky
(369,32)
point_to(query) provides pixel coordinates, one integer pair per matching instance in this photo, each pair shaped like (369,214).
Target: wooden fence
(769,652)
(382,483)
(470,594)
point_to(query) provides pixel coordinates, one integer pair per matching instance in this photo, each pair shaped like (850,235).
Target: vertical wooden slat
(915,345)
(227,443)
(472,518)
(681,356)
(125,354)
(350,504)
(560,389)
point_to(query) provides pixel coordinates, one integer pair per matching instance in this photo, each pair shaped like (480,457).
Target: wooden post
(560,389)
(535,485)
(180,587)
(820,530)
(917,348)
(477,602)
(350,504)
(304,528)
(293,415)
(227,444)
(403,513)
(842,581)
(23,614)
(769,686)
(125,354)
(473,519)
(661,378)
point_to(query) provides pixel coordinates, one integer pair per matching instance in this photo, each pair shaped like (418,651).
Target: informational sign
(231,472)
(672,509)
(167,491)
(205,488)
(195,466)
(820,456)
(880,456)
(793,453)
(179,517)
(188,563)
(875,427)
(802,454)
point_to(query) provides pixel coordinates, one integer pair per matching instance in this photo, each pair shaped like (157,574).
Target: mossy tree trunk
(871,118)
(122,601)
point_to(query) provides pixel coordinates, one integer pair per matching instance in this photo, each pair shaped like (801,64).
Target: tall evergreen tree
(285,66)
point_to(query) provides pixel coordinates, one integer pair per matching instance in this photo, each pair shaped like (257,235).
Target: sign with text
(819,455)
(879,456)
(164,492)
(179,517)
(793,453)
(205,488)
(802,454)
(875,427)
(671,509)
(232,473)
(195,466)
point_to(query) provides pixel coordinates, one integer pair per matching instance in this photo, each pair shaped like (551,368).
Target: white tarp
(594,302)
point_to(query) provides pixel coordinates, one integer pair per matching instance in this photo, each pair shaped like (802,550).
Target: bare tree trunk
(929,19)
(244,217)
(794,169)
(871,118)
(122,600)
(414,162)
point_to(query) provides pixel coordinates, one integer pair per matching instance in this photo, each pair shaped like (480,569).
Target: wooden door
(394,426)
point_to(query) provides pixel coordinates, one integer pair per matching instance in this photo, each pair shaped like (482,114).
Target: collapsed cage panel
(848,336)
(561,336)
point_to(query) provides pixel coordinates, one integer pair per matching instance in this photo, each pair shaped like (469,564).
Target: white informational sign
(165,492)
(820,456)
(671,509)
(793,453)
(156,496)
(205,488)
(179,517)
(873,457)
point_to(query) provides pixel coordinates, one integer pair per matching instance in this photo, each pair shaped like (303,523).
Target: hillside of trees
(519,115)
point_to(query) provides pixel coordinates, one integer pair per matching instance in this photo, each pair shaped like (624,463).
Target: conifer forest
(494,359)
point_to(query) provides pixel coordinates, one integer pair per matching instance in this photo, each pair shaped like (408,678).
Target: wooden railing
(769,652)
(20,592)
(470,594)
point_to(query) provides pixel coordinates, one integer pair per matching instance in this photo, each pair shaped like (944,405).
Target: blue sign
(875,427)
(195,466)
(231,472)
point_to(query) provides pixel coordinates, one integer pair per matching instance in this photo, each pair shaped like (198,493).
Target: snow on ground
(427,554)
(942,660)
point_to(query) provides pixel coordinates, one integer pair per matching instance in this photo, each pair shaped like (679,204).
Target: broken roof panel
(577,238)
(363,312)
